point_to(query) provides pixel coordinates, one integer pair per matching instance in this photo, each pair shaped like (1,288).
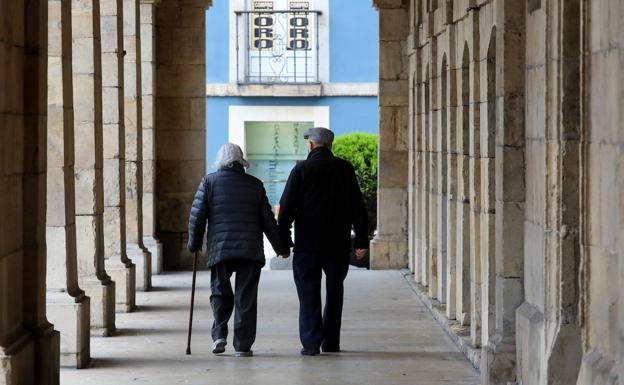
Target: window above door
(277,42)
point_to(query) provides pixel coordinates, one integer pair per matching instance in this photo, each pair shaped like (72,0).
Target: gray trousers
(244,299)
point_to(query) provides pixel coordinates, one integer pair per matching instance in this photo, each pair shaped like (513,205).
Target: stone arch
(463,199)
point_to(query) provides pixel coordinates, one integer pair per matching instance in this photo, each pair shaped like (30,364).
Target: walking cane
(190,328)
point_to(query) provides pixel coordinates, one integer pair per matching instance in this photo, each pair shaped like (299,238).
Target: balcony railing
(277,47)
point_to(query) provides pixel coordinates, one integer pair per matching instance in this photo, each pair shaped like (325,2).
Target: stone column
(68,306)
(425,172)
(389,248)
(498,358)
(474,186)
(413,244)
(117,263)
(433,165)
(135,249)
(180,122)
(487,162)
(463,192)
(29,345)
(452,182)
(87,78)
(148,73)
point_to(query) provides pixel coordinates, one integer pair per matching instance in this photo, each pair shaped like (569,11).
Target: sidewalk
(388,337)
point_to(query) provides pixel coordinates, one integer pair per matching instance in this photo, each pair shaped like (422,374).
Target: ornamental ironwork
(277,46)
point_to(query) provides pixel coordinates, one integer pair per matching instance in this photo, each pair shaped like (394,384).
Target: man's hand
(360,253)
(286,255)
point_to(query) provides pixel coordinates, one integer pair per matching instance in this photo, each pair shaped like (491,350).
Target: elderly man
(323,198)
(237,210)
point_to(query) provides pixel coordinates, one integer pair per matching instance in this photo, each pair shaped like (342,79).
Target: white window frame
(238,115)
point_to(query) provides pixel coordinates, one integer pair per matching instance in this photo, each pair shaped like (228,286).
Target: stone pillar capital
(391,4)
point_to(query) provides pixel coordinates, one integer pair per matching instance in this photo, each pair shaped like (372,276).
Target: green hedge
(361,150)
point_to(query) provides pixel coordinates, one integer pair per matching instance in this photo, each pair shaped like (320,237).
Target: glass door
(272,149)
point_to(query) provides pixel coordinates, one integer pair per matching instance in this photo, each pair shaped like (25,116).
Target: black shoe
(330,348)
(219,346)
(310,352)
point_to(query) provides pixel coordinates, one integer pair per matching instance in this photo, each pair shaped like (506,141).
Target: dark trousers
(245,299)
(316,329)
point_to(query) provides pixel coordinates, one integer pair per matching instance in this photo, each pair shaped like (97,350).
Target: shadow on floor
(142,332)
(129,362)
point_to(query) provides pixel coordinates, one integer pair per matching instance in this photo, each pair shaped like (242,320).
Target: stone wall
(465,174)
(180,122)
(570,325)
(515,181)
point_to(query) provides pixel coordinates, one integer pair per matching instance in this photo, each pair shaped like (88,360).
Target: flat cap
(319,135)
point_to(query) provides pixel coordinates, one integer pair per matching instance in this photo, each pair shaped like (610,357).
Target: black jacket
(237,210)
(323,198)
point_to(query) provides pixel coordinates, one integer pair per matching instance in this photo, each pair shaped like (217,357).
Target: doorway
(273,148)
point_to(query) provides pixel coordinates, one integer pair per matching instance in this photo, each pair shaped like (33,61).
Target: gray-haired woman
(233,206)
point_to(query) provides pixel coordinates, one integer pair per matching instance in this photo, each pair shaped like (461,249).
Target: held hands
(286,255)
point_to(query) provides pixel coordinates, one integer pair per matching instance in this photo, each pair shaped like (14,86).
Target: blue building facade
(275,67)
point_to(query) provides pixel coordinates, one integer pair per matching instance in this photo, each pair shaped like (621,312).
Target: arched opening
(426,174)
(475,193)
(442,186)
(488,249)
(414,175)
(463,196)
(452,197)
(434,215)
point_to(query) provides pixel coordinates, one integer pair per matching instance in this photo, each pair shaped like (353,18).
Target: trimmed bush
(361,150)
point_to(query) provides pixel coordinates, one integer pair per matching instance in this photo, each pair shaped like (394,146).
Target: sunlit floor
(388,338)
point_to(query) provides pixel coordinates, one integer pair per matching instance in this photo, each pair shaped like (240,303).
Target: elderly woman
(234,207)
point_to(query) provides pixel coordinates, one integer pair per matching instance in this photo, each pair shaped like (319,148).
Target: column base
(29,360)
(102,297)
(154,246)
(388,253)
(498,362)
(47,355)
(17,364)
(143,262)
(71,317)
(124,276)
(598,368)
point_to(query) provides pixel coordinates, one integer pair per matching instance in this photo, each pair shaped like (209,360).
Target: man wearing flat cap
(322,197)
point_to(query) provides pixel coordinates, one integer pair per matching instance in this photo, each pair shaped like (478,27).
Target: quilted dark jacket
(234,207)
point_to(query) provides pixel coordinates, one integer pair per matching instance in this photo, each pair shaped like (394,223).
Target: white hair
(228,154)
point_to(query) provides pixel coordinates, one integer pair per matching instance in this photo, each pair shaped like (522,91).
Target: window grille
(277,46)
